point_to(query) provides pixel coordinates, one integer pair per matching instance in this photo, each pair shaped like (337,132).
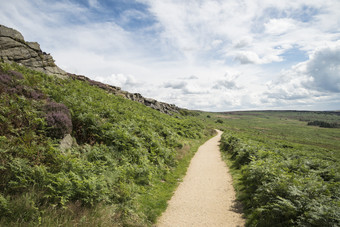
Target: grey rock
(34,45)
(13,48)
(66,143)
(10,32)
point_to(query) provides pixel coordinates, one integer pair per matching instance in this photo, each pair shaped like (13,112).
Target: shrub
(5,79)
(230,144)
(35,94)
(219,121)
(60,124)
(5,82)
(324,124)
(9,78)
(16,75)
(98,84)
(3,206)
(56,107)
(10,82)
(284,186)
(58,118)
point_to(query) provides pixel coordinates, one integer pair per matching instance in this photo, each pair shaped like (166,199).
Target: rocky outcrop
(14,48)
(152,103)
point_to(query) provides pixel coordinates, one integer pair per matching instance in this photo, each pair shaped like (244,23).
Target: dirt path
(206,196)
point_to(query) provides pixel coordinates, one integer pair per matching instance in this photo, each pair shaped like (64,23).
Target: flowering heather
(60,124)
(16,74)
(98,84)
(57,107)
(18,89)
(6,82)
(36,94)
(58,118)
(5,79)
(10,77)
(11,86)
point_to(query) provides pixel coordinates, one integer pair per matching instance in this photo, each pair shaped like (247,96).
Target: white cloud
(243,42)
(196,26)
(192,77)
(248,57)
(280,26)
(123,81)
(216,43)
(324,69)
(253,39)
(309,83)
(185,87)
(227,82)
(175,84)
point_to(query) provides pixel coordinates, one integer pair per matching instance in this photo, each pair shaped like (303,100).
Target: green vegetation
(283,127)
(120,150)
(285,172)
(324,124)
(126,159)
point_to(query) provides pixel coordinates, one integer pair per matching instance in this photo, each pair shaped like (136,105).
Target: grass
(283,127)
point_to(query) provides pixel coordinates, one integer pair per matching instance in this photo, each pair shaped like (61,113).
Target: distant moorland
(285,169)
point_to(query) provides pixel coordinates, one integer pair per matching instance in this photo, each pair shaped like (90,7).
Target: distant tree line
(324,124)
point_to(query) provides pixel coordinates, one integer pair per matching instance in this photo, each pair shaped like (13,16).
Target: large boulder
(14,48)
(10,32)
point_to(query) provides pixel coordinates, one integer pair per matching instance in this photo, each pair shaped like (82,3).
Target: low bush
(219,121)
(324,124)
(285,186)
(58,118)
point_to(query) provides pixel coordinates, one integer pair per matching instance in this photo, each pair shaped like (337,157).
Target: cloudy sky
(216,55)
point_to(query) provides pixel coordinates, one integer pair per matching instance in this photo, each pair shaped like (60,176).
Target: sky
(212,55)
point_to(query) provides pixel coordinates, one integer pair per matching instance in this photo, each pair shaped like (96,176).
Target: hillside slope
(14,49)
(112,150)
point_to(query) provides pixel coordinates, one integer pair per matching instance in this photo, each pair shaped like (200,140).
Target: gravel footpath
(206,196)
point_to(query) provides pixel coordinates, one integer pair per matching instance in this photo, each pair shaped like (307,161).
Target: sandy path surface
(206,196)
